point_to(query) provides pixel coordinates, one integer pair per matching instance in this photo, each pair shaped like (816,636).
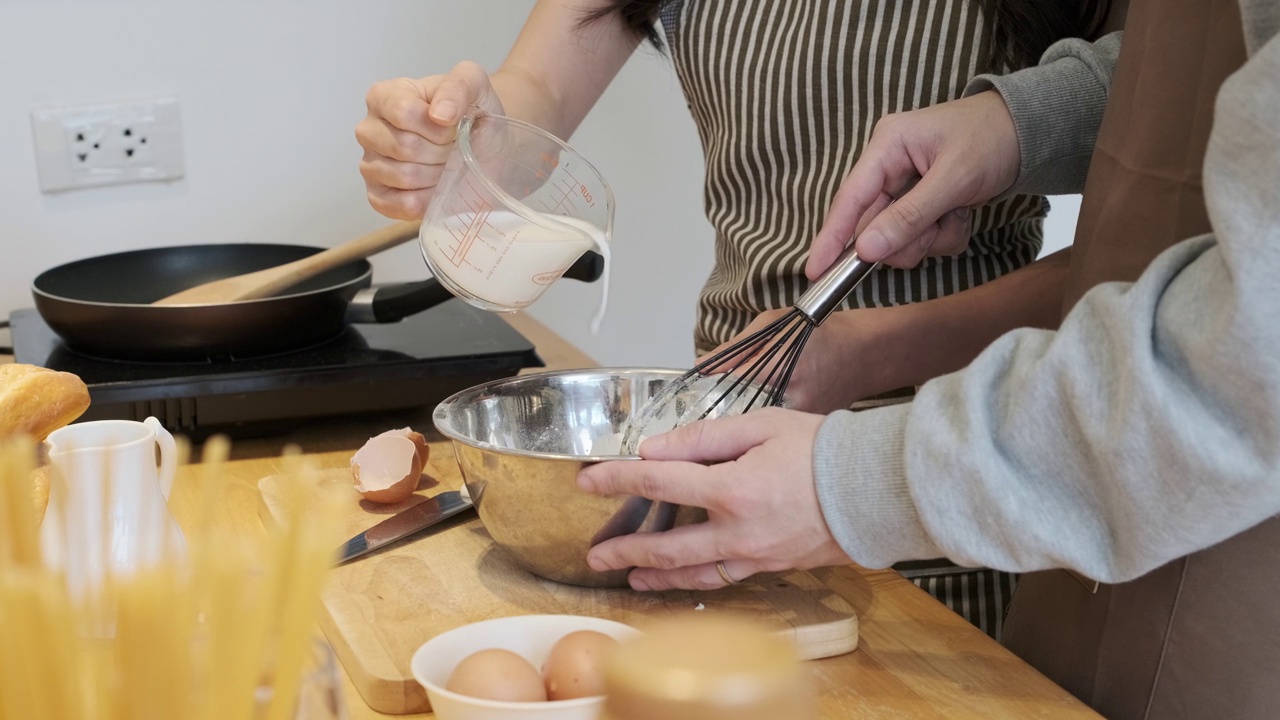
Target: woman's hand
(555,72)
(409,131)
(754,476)
(910,192)
(845,360)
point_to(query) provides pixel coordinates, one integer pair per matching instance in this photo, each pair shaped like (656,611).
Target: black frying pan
(100,306)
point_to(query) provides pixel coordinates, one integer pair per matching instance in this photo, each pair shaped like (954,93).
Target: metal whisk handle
(834,286)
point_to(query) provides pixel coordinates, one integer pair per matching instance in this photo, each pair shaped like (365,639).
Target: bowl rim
(431,687)
(441,412)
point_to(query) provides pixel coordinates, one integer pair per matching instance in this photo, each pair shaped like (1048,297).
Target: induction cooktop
(413,363)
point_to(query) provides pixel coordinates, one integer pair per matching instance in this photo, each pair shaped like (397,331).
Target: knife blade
(405,523)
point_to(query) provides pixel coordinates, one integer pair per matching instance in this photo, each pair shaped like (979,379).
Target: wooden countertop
(916,659)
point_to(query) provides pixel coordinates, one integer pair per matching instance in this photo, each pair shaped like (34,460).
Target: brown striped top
(785,94)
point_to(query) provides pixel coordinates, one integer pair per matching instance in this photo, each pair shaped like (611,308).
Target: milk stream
(512,260)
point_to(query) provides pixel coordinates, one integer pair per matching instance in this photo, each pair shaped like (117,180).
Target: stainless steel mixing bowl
(520,443)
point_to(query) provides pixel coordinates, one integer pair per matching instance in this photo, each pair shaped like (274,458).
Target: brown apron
(1200,636)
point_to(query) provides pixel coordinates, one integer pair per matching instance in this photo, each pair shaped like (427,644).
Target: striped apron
(785,96)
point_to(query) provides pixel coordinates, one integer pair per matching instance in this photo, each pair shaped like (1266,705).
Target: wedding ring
(728,579)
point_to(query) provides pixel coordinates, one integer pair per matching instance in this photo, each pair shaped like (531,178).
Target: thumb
(903,222)
(712,441)
(860,196)
(466,84)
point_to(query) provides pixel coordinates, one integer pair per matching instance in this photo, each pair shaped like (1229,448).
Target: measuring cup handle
(168,455)
(587,268)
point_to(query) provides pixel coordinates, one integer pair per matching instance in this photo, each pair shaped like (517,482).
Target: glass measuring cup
(515,207)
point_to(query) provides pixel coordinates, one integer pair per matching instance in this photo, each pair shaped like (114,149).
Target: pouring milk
(506,261)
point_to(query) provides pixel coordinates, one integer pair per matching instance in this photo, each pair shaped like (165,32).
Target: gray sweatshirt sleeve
(1145,428)
(1057,109)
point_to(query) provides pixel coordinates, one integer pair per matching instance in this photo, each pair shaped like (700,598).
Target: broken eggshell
(386,469)
(420,442)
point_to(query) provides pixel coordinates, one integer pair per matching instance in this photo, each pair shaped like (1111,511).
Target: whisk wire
(789,362)
(788,326)
(779,332)
(787,336)
(744,346)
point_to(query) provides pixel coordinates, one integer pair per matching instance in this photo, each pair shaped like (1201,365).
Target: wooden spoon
(265,283)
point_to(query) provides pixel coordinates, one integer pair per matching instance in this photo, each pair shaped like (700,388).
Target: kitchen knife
(406,522)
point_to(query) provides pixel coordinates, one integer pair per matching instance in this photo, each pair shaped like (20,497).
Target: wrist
(1003,131)
(886,340)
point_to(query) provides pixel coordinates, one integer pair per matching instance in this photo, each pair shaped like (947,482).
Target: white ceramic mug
(109,500)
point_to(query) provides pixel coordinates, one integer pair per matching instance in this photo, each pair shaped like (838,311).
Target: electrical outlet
(109,144)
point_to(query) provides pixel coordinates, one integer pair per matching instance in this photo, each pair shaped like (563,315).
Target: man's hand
(910,193)
(754,476)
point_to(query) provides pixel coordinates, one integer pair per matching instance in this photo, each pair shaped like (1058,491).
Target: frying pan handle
(392,303)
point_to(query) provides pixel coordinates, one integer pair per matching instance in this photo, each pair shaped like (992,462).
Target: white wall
(1060,227)
(270,91)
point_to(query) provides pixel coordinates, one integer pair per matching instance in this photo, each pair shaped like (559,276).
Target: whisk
(763,383)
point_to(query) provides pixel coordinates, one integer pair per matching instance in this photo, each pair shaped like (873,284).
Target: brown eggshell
(386,469)
(419,441)
(575,666)
(496,674)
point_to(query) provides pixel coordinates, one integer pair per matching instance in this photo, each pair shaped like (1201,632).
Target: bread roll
(35,401)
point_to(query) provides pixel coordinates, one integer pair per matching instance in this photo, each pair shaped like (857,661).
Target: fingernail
(873,246)
(594,562)
(639,583)
(585,482)
(444,111)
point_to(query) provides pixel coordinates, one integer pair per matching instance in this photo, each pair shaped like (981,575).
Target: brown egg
(387,468)
(497,675)
(574,667)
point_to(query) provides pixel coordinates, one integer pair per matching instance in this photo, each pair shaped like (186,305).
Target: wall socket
(107,144)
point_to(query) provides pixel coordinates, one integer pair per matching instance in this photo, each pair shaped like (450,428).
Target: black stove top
(414,363)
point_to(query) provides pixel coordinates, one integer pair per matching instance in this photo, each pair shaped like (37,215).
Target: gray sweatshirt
(1148,426)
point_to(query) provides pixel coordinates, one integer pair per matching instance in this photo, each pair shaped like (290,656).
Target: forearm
(527,98)
(1146,428)
(558,67)
(921,341)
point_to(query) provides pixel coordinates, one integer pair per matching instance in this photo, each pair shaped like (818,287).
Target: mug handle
(168,455)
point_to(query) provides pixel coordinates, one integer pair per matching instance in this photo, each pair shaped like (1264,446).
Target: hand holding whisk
(763,383)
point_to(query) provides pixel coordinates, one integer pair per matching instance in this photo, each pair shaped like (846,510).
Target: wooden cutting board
(377,610)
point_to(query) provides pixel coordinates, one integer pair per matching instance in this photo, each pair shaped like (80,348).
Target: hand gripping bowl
(520,443)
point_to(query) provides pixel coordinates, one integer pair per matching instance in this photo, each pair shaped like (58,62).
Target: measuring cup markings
(565,183)
(477,226)
(516,208)
(468,238)
(574,186)
(476,220)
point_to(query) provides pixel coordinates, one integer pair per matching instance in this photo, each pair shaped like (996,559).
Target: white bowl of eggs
(519,668)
